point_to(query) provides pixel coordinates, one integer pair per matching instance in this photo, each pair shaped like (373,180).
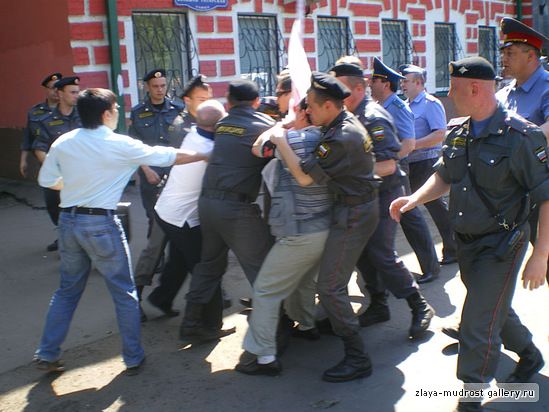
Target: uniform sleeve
(404,122)
(132,130)
(42,139)
(436,115)
(386,144)
(545,102)
(135,152)
(530,167)
(50,173)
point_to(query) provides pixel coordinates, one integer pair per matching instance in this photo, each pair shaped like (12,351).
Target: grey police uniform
(34,116)
(46,129)
(379,264)
(509,160)
(345,162)
(156,127)
(228,218)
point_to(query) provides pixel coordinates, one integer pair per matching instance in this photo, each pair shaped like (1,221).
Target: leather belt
(88,211)
(356,200)
(226,195)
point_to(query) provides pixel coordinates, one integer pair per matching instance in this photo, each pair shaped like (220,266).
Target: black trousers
(52,199)
(420,172)
(184,253)
(379,263)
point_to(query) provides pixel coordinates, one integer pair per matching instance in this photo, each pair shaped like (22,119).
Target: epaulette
(177,104)
(138,106)
(519,123)
(457,121)
(430,97)
(399,103)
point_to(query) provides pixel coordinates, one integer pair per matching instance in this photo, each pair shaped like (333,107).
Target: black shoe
(142,314)
(469,407)
(246,302)
(530,362)
(347,371)
(324,326)
(163,307)
(452,332)
(55,366)
(375,313)
(135,370)
(309,334)
(448,260)
(248,365)
(202,334)
(426,277)
(422,313)
(52,247)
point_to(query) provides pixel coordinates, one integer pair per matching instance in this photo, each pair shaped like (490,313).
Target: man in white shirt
(91,167)
(177,213)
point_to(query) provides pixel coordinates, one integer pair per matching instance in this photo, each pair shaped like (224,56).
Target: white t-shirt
(178,202)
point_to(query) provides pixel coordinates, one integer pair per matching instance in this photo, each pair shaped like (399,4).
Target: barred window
(488,44)
(445,51)
(163,40)
(334,41)
(260,50)
(397,48)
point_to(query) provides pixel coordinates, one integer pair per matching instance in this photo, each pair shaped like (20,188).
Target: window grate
(397,44)
(488,45)
(335,40)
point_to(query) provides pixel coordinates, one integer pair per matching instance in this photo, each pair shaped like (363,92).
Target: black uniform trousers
(184,246)
(487,319)
(417,232)
(420,172)
(349,233)
(52,199)
(228,224)
(379,264)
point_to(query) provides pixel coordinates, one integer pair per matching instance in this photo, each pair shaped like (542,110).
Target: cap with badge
(53,76)
(515,31)
(328,84)
(67,81)
(406,69)
(472,68)
(197,81)
(347,69)
(243,90)
(385,72)
(154,74)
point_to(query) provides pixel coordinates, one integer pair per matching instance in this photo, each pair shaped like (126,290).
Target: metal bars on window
(446,50)
(163,40)
(334,41)
(261,49)
(488,44)
(397,43)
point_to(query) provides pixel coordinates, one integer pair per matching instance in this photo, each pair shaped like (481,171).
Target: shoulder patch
(145,114)
(377,133)
(323,150)
(518,123)
(228,129)
(541,154)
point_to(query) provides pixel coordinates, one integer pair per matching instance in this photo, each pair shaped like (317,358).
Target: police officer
(384,84)
(34,115)
(156,122)
(46,129)
(430,130)
(528,93)
(379,260)
(491,160)
(196,91)
(345,162)
(229,219)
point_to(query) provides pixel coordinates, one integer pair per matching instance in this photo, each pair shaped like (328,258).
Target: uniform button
(492,161)
(460,213)
(470,140)
(161,137)
(464,189)
(468,164)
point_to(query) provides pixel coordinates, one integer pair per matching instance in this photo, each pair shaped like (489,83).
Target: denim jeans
(99,240)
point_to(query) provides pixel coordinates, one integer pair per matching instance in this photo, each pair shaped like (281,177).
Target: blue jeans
(83,240)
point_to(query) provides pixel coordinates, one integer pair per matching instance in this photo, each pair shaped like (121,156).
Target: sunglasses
(282,93)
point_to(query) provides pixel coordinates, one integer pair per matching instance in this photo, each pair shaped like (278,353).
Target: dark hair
(321,97)
(285,83)
(235,102)
(393,86)
(91,105)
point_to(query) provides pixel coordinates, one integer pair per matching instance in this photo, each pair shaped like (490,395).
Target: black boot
(356,363)
(377,311)
(530,362)
(422,313)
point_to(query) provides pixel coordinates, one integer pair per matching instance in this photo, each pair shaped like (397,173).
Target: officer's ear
(256,103)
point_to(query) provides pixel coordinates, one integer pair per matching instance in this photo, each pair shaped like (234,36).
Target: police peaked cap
(197,81)
(472,68)
(154,74)
(328,84)
(347,69)
(385,72)
(515,31)
(67,81)
(412,69)
(243,90)
(53,76)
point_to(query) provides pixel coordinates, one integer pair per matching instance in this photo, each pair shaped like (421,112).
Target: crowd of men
(336,180)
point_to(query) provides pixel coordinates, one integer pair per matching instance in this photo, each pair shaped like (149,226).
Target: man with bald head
(492,159)
(177,208)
